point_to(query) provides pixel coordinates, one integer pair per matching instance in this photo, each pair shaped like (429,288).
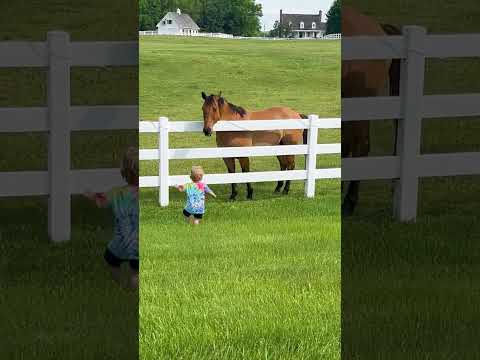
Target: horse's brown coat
(216,108)
(360,78)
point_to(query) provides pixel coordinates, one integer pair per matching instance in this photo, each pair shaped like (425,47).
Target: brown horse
(216,108)
(363,78)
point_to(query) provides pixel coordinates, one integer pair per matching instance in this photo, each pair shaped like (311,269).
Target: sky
(271,9)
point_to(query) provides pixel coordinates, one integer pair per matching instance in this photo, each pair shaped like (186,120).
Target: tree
(334,18)
(281,30)
(237,17)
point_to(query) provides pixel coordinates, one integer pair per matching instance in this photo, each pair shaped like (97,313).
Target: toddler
(123,202)
(195,193)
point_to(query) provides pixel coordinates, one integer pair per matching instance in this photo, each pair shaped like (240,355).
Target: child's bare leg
(116,274)
(196,221)
(133,279)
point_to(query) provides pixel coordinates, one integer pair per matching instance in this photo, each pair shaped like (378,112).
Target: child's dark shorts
(114,261)
(196,216)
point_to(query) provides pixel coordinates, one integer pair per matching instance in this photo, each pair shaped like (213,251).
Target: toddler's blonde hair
(129,167)
(197,173)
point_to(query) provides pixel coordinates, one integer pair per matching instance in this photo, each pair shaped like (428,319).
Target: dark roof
(296,19)
(184,21)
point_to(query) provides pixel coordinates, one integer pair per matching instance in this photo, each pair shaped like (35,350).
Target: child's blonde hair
(197,173)
(129,168)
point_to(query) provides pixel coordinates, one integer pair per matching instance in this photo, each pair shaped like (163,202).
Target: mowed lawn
(257,279)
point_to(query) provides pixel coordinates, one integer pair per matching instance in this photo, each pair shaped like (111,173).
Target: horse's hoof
(250,197)
(277,190)
(286,191)
(233,197)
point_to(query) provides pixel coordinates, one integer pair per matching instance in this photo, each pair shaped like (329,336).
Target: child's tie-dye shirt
(124,204)
(196,197)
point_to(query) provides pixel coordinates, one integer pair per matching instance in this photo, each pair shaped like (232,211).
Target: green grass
(57,300)
(258,279)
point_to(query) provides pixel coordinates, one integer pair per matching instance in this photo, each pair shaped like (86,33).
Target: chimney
(320,15)
(281,14)
(179,12)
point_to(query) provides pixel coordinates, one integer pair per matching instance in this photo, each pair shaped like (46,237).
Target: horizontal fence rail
(164,154)
(58,118)
(229,36)
(413,47)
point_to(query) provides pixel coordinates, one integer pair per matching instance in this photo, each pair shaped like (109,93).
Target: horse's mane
(234,108)
(237,109)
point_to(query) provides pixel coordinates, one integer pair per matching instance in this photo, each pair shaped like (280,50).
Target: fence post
(59,215)
(311,160)
(410,127)
(163,166)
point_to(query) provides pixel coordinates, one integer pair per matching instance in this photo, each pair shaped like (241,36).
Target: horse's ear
(204,96)
(220,94)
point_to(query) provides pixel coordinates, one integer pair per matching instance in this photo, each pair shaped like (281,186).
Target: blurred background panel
(408,288)
(57,299)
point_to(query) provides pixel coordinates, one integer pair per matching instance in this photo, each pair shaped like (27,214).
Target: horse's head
(212,111)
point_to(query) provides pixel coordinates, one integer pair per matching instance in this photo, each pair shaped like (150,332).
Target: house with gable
(304,26)
(177,23)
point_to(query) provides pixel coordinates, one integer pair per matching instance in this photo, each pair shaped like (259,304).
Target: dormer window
(302,25)
(314,25)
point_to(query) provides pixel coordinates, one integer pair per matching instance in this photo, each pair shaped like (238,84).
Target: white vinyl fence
(229,36)
(164,154)
(413,47)
(332,36)
(59,118)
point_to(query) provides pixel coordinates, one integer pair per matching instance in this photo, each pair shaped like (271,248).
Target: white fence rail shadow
(59,118)
(164,154)
(413,47)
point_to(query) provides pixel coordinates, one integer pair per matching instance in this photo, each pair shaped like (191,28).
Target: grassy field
(258,279)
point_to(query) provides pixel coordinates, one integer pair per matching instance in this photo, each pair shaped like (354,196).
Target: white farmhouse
(176,23)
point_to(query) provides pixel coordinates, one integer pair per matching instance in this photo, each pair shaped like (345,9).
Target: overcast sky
(271,9)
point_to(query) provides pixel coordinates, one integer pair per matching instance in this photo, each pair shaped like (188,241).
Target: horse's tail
(305,131)
(394,77)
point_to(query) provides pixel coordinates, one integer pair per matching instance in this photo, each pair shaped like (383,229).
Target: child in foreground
(195,193)
(123,202)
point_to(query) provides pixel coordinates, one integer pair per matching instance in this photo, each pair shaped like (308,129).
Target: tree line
(236,17)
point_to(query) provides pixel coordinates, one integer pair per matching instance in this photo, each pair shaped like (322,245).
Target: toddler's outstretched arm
(210,192)
(181,188)
(99,198)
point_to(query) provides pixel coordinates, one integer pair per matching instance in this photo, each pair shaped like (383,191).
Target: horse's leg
(290,162)
(283,167)
(361,149)
(230,163)
(245,164)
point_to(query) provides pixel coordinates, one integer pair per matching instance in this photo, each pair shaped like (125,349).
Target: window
(290,24)
(302,25)
(169,22)
(164,22)
(314,25)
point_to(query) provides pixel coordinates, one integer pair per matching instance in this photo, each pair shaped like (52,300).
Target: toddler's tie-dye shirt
(124,204)
(196,197)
